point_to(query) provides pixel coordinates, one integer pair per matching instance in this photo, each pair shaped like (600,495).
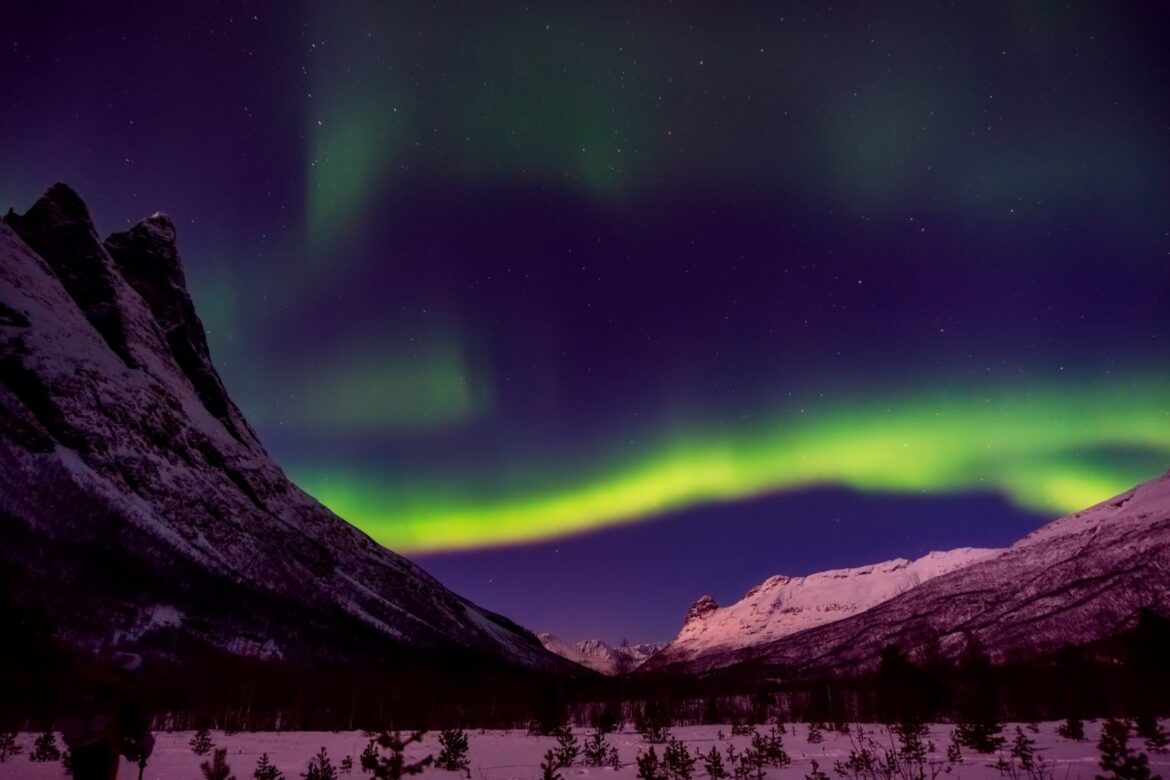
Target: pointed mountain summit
(137,506)
(147,257)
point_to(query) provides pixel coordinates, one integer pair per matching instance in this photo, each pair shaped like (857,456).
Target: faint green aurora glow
(1036,448)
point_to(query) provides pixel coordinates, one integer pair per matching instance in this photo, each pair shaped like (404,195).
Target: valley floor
(513,755)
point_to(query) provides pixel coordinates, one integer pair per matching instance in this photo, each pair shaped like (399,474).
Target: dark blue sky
(540,284)
(637,582)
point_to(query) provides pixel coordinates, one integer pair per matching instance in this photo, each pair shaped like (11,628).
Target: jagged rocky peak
(701,609)
(58,227)
(122,457)
(147,256)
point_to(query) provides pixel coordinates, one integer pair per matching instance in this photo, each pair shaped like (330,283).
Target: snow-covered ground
(513,755)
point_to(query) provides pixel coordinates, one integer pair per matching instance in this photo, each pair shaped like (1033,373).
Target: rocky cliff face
(1079,579)
(136,503)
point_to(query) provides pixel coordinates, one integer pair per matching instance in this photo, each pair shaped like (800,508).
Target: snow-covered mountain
(786,605)
(599,656)
(1076,580)
(136,503)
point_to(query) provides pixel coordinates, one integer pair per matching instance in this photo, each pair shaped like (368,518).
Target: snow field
(514,755)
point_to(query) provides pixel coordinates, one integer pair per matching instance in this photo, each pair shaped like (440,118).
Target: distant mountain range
(138,507)
(599,656)
(1078,579)
(788,605)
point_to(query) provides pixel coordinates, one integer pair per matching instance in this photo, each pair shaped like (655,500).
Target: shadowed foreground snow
(513,755)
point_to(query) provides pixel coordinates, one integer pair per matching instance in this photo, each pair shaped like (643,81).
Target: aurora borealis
(492,274)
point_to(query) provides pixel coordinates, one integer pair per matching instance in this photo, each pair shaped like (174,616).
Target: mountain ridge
(783,605)
(600,656)
(129,480)
(1078,579)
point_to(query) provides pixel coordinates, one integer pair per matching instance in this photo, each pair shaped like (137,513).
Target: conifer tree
(1118,761)
(567,749)
(649,767)
(201,743)
(1073,728)
(8,745)
(815,736)
(651,721)
(913,741)
(453,747)
(217,768)
(45,748)
(816,773)
(393,765)
(549,767)
(265,770)
(677,761)
(981,735)
(713,764)
(320,767)
(598,751)
(1024,750)
(1152,732)
(954,751)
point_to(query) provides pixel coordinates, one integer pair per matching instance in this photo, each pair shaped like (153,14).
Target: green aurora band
(1045,449)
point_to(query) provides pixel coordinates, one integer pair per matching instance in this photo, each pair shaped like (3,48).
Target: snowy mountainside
(786,605)
(137,504)
(599,656)
(1084,577)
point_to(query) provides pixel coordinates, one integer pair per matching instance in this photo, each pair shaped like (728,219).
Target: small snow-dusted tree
(265,770)
(815,735)
(201,743)
(567,748)
(45,748)
(393,765)
(982,735)
(1073,728)
(816,773)
(913,742)
(857,765)
(1022,761)
(769,748)
(652,723)
(1118,761)
(740,729)
(346,765)
(1149,729)
(751,765)
(453,747)
(549,767)
(369,757)
(677,761)
(649,767)
(320,767)
(954,752)
(598,751)
(217,768)
(713,764)
(9,746)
